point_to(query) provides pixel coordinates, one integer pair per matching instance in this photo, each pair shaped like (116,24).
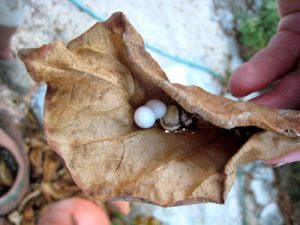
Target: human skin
(276,66)
(73,211)
(78,211)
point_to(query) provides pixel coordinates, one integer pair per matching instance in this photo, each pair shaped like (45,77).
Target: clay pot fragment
(95,83)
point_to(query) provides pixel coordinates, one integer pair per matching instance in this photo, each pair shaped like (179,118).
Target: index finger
(288,6)
(267,65)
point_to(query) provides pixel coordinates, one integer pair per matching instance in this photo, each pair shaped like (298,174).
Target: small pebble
(158,107)
(144,117)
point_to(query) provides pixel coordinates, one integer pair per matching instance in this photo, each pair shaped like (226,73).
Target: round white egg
(144,117)
(158,107)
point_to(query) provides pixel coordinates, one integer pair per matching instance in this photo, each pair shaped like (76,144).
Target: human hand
(78,211)
(277,65)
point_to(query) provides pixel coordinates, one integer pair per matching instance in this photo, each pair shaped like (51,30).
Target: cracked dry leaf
(96,82)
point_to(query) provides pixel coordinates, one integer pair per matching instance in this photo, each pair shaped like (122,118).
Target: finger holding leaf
(95,85)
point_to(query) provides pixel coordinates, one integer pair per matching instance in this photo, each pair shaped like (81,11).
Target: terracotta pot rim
(12,142)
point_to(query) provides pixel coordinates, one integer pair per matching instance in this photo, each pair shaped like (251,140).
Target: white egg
(144,117)
(158,107)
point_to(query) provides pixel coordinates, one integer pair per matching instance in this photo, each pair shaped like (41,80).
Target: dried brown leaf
(28,215)
(50,167)
(94,85)
(36,162)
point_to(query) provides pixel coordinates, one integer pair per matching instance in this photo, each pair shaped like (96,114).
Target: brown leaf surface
(94,85)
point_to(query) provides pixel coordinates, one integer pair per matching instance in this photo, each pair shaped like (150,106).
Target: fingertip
(74,210)
(243,80)
(289,158)
(122,206)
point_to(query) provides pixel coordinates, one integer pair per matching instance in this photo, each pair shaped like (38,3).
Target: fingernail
(275,165)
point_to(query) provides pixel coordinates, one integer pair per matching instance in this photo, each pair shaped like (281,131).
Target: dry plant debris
(49,178)
(95,83)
